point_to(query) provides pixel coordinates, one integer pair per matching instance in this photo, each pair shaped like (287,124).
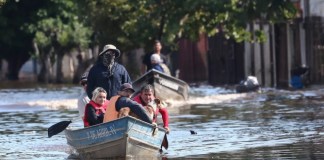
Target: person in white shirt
(83,99)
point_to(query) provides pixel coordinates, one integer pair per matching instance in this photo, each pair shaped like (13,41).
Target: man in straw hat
(107,73)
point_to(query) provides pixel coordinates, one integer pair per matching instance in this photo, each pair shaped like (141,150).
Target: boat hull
(125,137)
(166,87)
(244,88)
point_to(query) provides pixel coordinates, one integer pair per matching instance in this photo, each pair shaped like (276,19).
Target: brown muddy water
(274,124)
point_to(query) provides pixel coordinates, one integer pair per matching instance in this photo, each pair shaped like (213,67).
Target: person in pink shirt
(146,98)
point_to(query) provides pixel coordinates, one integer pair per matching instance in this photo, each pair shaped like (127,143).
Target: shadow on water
(285,125)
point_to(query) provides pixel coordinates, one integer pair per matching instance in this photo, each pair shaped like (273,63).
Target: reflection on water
(284,125)
(229,131)
(23,135)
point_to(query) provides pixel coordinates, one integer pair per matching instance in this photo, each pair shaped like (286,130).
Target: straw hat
(110,47)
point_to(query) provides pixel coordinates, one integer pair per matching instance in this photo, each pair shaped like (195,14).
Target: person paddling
(122,100)
(146,98)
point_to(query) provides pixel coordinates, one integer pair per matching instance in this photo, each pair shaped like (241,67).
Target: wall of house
(193,60)
(258,57)
(225,60)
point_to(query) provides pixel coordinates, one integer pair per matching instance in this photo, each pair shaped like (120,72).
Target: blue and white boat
(121,138)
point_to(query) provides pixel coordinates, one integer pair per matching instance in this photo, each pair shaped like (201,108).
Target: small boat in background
(166,87)
(251,84)
(121,138)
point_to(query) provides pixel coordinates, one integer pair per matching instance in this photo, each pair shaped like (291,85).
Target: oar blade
(165,142)
(57,128)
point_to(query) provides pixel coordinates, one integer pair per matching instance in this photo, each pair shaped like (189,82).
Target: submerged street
(274,124)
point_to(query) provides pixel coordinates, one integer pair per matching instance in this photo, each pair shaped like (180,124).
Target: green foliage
(63,25)
(59,26)
(14,40)
(136,23)
(2,2)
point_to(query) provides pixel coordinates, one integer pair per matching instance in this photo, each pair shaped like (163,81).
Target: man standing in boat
(146,98)
(146,63)
(107,73)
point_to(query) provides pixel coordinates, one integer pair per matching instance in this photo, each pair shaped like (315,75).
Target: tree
(58,32)
(15,42)
(43,29)
(56,28)
(2,2)
(138,22)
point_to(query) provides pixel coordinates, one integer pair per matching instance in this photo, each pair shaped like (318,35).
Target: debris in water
(193,132)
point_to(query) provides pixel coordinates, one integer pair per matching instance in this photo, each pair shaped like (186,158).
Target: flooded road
(275,124)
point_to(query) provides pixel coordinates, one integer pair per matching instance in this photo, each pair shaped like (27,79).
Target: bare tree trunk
(15,64)
(71,66)
(35,46)
(43,74)
(59,72)
(45,71)
(13,70)
(1,70)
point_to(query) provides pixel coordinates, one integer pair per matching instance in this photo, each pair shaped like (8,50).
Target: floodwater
(274,124)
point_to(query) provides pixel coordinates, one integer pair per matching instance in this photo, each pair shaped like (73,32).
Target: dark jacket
(157,67)
(99,76)
(135,107)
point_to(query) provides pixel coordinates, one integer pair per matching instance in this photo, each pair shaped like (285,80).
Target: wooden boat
(166,87)
(121,138)
(250,84)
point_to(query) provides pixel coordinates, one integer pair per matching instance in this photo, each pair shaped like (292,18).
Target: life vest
(99,110)
(111,113)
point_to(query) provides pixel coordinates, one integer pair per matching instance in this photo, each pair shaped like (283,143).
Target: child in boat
(157,64)
(146,63)
(96,108)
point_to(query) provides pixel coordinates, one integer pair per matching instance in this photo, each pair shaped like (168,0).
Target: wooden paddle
(165,142)
(57,128)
